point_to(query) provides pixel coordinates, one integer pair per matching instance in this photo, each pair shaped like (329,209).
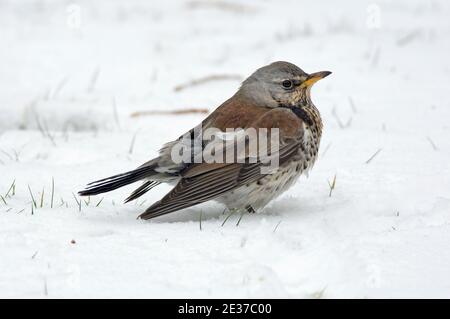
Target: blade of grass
(373,156)
(11,188)
(42,198)
(116,114)
(53,192)
(133,140)
(433,145)
(7,154)
(99,202)
(32,197)
(276,227)
(78,202)
(229,215)
(143,202)
(332,185)
(240,217)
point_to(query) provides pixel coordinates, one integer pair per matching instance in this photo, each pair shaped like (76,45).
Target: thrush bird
(276,96)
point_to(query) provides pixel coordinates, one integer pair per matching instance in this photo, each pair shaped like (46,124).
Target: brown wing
(204,181)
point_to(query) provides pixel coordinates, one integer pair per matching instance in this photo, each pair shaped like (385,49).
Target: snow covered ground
(71,73)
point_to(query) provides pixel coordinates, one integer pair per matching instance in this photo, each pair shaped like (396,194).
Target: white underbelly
(259,194)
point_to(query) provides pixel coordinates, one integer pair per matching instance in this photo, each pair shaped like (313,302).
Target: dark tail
(141,190)
(117,181)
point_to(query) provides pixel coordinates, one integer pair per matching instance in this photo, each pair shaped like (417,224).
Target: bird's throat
(301,113)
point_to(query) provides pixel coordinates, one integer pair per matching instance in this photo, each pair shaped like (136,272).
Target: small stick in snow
(352,104)
(130,151)
(99,202)
(229,215)
(78,202)
(49,135)
(93,80)
(433,145)
(408,38)
(7,154)
(373,156)
(60,86)
(206,79)
(376,56)
(200,220)
(143,202)
(45,287)
(319,294)
(16,154)
(326,149)
(43,128)
(240,217)
(53,192)
(338,119)
(276,227)
(221,5)
(171,112)
(11,188)
(3,200)
(116,114)
(332,185)
(32,197)
(42,197)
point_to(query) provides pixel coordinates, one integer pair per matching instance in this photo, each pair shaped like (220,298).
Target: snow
(69,84)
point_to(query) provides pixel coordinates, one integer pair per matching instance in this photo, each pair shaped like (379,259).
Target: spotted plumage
(276,96)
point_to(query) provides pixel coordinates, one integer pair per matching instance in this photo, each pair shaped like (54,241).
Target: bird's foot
(250,209)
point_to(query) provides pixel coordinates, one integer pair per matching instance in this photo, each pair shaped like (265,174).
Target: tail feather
(141,190)
(111,183)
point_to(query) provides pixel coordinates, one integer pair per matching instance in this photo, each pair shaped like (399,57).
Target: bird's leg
(250,209)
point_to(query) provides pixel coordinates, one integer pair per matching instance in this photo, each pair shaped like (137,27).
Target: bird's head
(280,83)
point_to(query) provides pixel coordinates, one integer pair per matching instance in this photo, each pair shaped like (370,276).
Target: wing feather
(205,181)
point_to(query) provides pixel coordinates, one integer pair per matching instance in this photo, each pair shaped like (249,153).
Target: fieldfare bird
(275,97)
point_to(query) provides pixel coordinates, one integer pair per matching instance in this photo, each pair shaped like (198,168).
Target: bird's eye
(287,84)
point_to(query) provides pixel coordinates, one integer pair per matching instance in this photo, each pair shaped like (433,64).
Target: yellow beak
(314,77)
